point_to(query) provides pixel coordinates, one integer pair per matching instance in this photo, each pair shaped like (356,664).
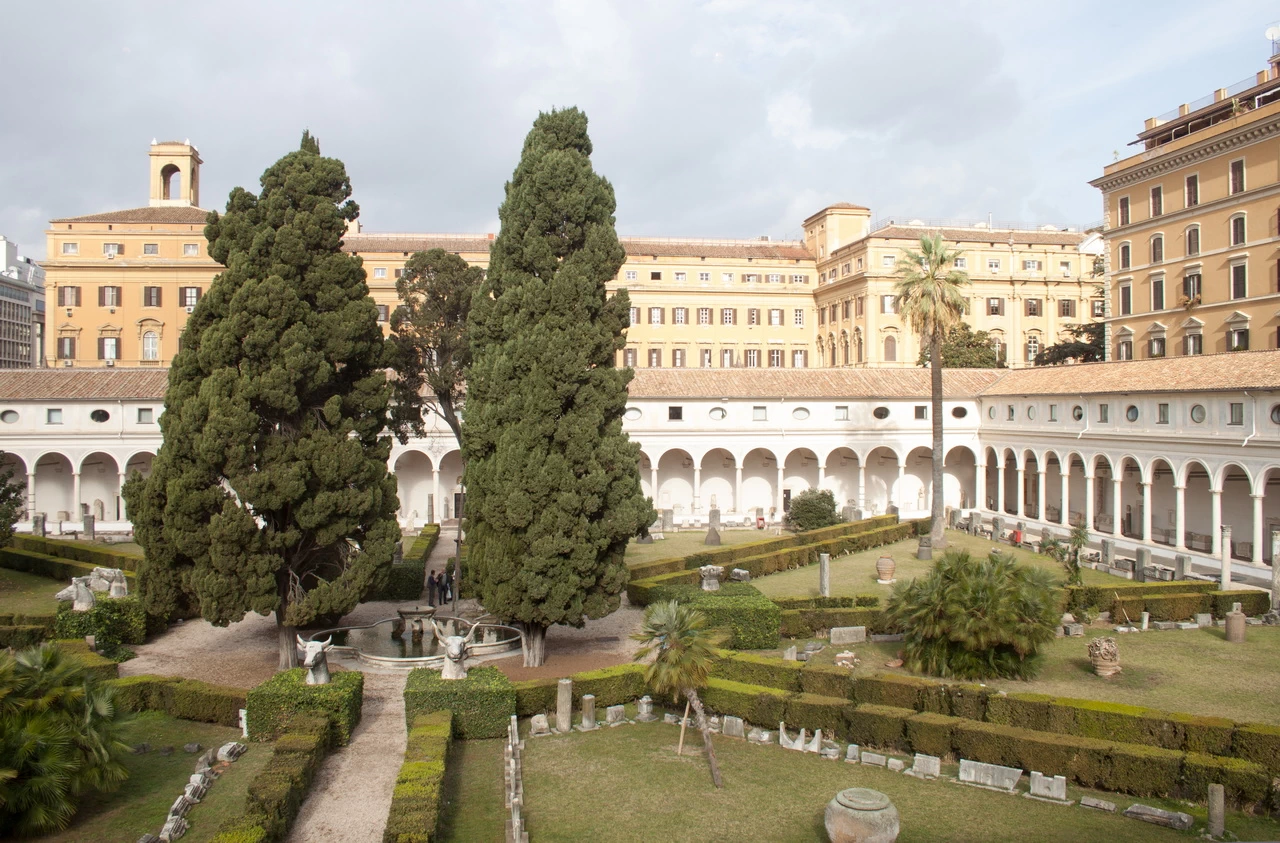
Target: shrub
(813,712)
(858,601)
(1252,603)
(113,622)
(973,619)
(930,733)
(610,685)
(273,704)
(415,801)
(535,696)
(811,510)
(753,703)
(1245,782)
(1101,598)
(1178,606)
(186,699)
(21,636)
(95,665)
(880,726)
(54,567)
(96,556)
(482,704)
(422,546)
(753,669)
(827,680)
(892,690)
(1259,743)
(751,619)
(805,623)
(404,582)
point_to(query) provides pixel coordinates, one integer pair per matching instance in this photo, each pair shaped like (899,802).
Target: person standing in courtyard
(432,587)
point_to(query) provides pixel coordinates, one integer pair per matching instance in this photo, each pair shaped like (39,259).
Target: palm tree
(675,634)
(929,298)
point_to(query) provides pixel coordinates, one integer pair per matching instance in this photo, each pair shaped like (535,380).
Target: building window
(704,277)
(151,296)
(108,348)
(680,276)
(961,263)
(888,304)
(1193,344)
(190,297)
(804,279)
(150,346)
(399,273)
(727,315)
(146,415)
(655,358)
(629,357)
(759,413)
(993,264)
(1126,299)
(1053,412)
(1033,348)
(1031,266)
(1239,281)
(150,248)
(112,249)
(1012,413)
(822,316)
(1238,339)
(888,260)
(631,275)
(677,358)
(68,297)
(752,358)
(858,306)
(1162,414)
(995,307)
(1237,230)
(1126,256)
(379,272)
(890,350)
(1193,241)
(1192,192)
(1157,293)
(655,275)
(680,315)
(109,296)
(52,416)
(1157,201)
(1191,287)
(70,248)
(1099,308)
(797,317)
(704,316)
(1197,413)
(776,278)
(753,316)
(66,348)
(190,250)
(1157,249)
(753,278)
(1156,348)
(833,313)
(1077,413)
(1237,176)
(775,358)
(726,277)
(1236,410)
(1124,350)
(705,357)
(383,312)
(1033,307)
(675,414)
(844,309)
(799,358)
(634,316)
(655,315)
(1131,413)
(922,412)
(775,317)
(726,358)
(1065,266)
(842,412)
(1104,413)
(1067,308)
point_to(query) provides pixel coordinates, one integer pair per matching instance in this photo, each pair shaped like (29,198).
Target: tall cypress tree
(271,490)
(553,484)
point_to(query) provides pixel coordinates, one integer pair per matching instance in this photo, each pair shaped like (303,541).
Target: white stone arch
(959,477)
(100,485)
(842,467)
(645,464)
(1261,476)
(1220,473)
(800,472)
(414,473)
(54,484)
(718,482)
(882,464)
(675,481)
(915,490)
(759,480)
(449,464)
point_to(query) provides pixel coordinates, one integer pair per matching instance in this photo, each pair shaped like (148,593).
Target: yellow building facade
(1191,227)
(121,284)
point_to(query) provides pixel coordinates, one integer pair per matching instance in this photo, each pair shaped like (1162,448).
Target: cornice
(1206,149)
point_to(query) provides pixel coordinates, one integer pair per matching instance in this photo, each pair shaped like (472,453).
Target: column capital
(1257,497)
(1178,488)
(1144,482)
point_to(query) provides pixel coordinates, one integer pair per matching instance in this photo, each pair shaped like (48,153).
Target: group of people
(439,588)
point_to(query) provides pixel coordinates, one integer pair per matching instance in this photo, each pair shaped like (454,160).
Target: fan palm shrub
(59,732)
(675,635)
(975,618)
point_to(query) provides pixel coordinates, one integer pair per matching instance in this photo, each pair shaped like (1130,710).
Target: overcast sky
(728,118)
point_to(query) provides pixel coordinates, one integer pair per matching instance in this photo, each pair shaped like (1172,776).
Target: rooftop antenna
(1273,35)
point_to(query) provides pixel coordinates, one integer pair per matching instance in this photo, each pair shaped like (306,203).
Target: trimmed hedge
(1245,782)
(1252,603)
(827,680)
(753,703)
(421,547)
(931,733)
(610,685)
(284,697)
(98,666)
(1100,598)
(535,696)
(813,712)
(482,704)
(54,567)
(858,601)
(113,621)
(29,620)
(404,582)
(750,619)
(186,699)
(1258,742)
(21,636)
(752,669)
(95,556)
(278,791)
(806,623)
(882,726)
(414,816)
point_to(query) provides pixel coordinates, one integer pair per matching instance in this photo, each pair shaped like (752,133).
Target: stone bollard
(997,527)
(824,574)
(924,551)
(588,713)
(564,706)
(1226,558)
(1217,811)
(713,520)
(1140,565)
(1108,552)
(39,524)
(1181,564)
(1235,624)
(88,527)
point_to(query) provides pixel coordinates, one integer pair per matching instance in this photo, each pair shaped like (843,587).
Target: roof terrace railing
(975,223)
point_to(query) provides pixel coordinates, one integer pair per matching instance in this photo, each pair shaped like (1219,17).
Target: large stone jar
(859,815)
(885,568)
(1105,656)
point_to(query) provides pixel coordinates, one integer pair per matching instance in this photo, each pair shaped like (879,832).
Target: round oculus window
(800,414)
(632,414)
(1275,414)
(991,412)
(100,416)
(1031,412)
(1197,413)
(1077,412)
(718,413)
(1131,413)
(9,416)
(880,412)
(961,412)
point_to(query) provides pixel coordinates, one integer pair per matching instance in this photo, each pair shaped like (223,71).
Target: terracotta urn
(885,568)
(860,815)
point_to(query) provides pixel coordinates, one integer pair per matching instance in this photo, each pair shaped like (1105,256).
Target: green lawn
(856,572)
(142,802)
(627,784)
(473,800)
(28,594)
(688,542)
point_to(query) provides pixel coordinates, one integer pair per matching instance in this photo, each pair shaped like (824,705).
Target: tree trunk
(287,639)
(684,721)
(535,645)
(939,454)
(692,696)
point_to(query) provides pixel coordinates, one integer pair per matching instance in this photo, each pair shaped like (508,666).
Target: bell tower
(175,174)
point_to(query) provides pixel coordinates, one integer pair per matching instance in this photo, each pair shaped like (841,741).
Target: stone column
(862,486)
(1275,570)
(564,706)
(31,494)
(123,515)
(822,475)
(980,486)
(902,473)
(1022,492)
(437,511)
(1115,502)
(75,496)
(1000,487)
(737,492)
(1225,532)
(1146,512)
(1180,517)
(1257,530)
(1041,497)
(1088,502)
(588,712)
(781,470)
(824,574)
(1217,811)
(1064,511)
(653,482)
(1215,528)
(697,487)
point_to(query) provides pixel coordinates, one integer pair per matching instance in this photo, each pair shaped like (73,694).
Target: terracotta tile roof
(982,235)
(82,384)
(186,214)
(416,243)
(806,383)
(1232,371)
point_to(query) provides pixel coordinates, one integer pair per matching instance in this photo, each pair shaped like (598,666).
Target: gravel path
(351,795)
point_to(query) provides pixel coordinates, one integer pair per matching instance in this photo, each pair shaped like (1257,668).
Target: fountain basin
(379,644)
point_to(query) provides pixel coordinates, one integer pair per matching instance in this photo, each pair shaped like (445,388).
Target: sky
(723,118)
